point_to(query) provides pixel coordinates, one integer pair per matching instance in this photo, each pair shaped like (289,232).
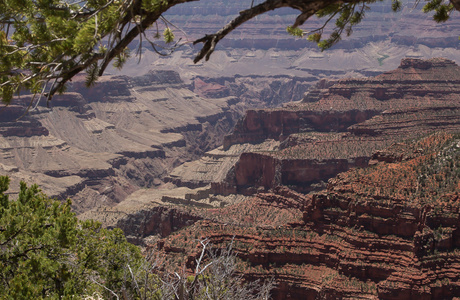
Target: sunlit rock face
(324,135)
(388,231)
(99,145)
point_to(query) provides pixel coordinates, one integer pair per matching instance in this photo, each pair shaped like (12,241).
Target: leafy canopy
(45,43)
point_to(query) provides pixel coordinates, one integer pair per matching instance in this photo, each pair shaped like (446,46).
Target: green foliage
(92,75)
(121,59)
(168,35)
(295,31)
(43,44)
(396,5)
(440,8)
(153,5)
(347,15)
(47,253)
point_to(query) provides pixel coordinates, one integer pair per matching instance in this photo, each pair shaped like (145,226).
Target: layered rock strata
(327,134)
(389,231)
(384,232)
(99,145)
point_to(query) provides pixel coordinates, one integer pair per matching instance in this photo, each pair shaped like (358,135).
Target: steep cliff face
(255,170)
(334,106)
(99,145)
(340,124)
(389,231)
(159,221)
(278,124)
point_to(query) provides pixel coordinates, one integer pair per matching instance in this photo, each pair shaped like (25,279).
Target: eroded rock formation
(323,136)
(389,231)
(99,145)
(385,231)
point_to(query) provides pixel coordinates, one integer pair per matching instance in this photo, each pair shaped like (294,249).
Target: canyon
(385,230)
(334,172)
(99,145)
(351,192)
(389,231)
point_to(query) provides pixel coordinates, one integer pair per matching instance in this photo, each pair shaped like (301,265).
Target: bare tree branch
(306,7)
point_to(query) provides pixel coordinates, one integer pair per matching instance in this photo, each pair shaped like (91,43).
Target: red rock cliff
(385,232)
(342,127)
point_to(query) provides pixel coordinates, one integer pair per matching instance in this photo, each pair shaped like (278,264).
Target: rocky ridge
(389,231)
(99,145)
(305,143)
(104,143)
(338,125)
(321,137)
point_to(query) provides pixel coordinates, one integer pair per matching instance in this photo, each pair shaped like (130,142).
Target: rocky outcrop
(123,134)
(161,221)
(278,124)
(352,101)
(15,122)
(255,171)
(340,124)
(213,90)
(23,129)
(385,232)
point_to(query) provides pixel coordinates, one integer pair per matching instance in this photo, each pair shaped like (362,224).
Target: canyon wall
(385,230)
(99,145)
(341,124)
(389,231)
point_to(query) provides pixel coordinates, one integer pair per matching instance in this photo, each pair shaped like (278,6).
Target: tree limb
(307,9)
(133,20)
(456,4)
(210,41)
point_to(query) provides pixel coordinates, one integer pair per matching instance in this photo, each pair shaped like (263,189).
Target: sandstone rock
(123,134)
(370,235)
(343,129)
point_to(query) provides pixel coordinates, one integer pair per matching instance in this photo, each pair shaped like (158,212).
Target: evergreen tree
(45,252)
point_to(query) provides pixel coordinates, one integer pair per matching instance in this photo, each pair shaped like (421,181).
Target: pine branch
(306,7)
